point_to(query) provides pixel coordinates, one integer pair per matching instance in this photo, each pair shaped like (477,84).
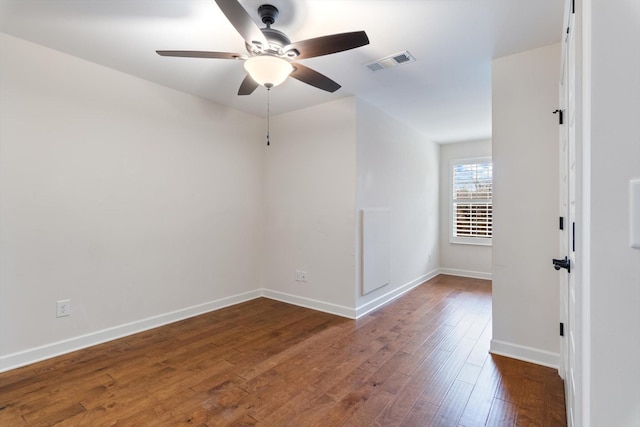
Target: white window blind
(472,207)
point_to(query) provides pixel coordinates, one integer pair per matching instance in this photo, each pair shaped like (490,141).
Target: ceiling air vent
(391,61)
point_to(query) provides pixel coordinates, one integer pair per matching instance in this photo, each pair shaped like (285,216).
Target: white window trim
(478,241)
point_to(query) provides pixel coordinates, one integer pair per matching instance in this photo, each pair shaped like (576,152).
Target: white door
(569,343)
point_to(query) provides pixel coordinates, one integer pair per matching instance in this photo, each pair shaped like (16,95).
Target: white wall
(325,164)
(144,205)
(310,198)
(614,311)
(525,166)
(139,203)
(397,169)
(459,259)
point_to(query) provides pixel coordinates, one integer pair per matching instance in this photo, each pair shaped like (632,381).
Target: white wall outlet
(298,276)
(63,308)
(303,276)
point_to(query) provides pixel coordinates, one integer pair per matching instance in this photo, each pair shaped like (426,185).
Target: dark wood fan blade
(328,44)
(201,54)
(247,86)
(314,78)
(242,21)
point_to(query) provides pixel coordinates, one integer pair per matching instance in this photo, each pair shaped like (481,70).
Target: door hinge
(573,6)
(560,116)
(561,223)
(561,329)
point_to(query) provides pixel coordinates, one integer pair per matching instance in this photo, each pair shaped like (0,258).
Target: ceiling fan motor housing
(277,39)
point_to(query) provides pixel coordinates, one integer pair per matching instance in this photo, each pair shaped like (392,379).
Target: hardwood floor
(421,360)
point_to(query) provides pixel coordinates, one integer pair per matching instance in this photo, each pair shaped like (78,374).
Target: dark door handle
(562,263)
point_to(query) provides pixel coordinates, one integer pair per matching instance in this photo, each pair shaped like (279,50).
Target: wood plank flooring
(421,360)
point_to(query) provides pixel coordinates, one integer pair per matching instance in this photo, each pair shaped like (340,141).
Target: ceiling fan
(271,54)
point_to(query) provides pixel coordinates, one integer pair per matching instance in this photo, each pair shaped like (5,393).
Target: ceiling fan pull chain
(268,115)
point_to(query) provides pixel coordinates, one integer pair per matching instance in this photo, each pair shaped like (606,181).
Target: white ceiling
(445,94)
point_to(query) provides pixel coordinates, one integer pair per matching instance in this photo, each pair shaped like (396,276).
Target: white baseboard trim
(326,307)
(526,354)
(47,351)
(389,296)
(26,357)
(466,273)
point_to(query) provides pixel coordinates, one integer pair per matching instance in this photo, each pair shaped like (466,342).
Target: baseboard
(466,273)
(26,357)
(526,354)
(326,307)
(389,296)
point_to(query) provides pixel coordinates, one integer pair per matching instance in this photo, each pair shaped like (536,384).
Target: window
(471,201)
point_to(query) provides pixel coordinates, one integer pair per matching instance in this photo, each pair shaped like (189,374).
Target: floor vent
(391,61)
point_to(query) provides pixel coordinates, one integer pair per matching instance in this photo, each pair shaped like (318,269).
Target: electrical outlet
(298,276)
(303,276)
(63,308)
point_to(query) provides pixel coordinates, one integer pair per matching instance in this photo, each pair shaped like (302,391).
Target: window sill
(471,241)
